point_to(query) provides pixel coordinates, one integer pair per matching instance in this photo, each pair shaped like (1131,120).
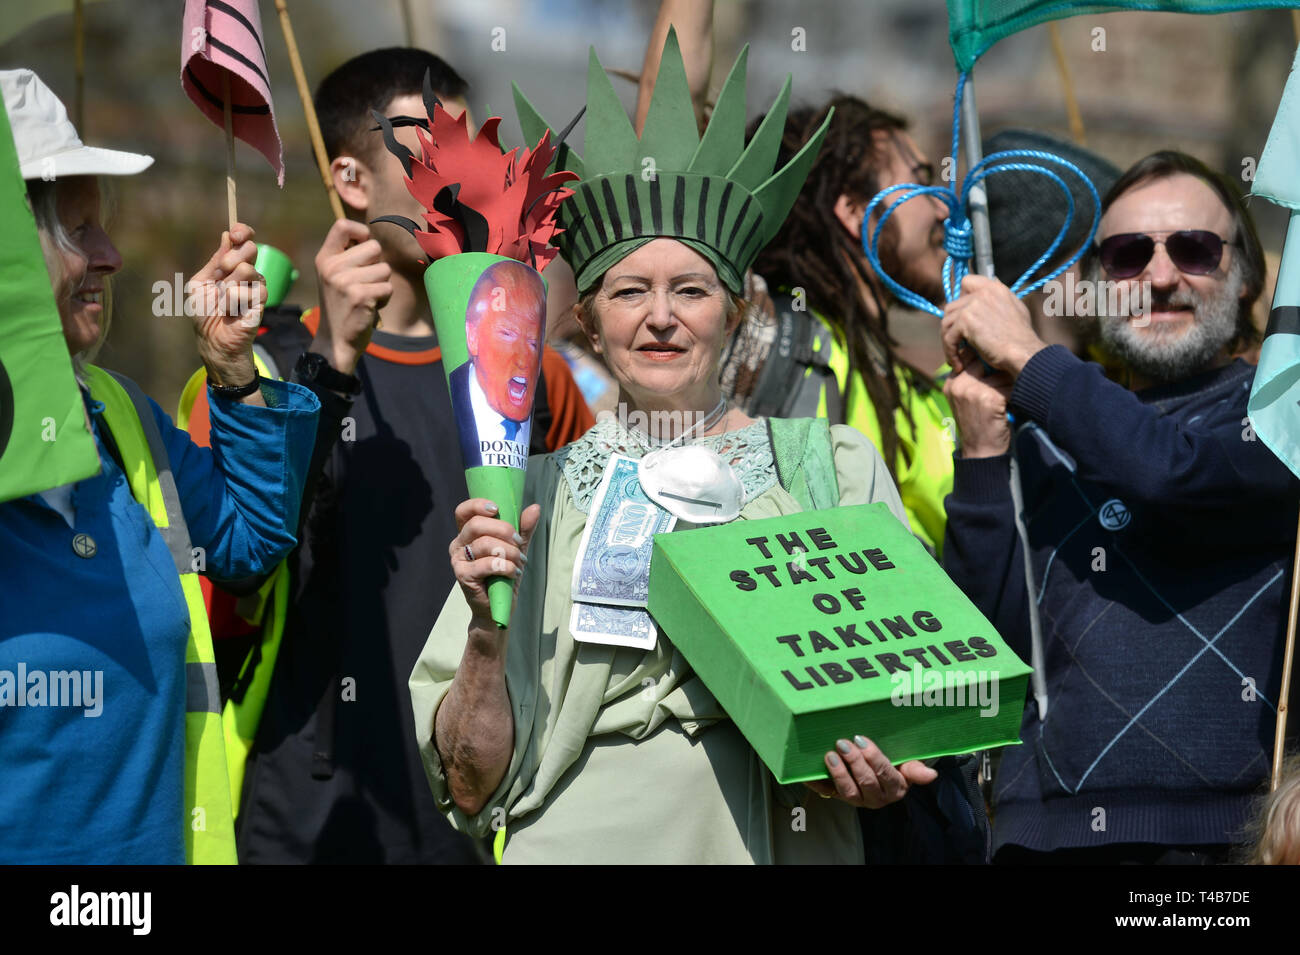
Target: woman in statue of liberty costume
(579,734)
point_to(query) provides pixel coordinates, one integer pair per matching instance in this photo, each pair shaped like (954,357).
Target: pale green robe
(622,755)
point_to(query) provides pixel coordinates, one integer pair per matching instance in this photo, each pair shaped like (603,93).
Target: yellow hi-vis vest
(209,823)
(268,607)
(925,443)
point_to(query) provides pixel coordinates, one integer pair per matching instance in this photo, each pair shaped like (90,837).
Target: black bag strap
(797,368)
(781,369)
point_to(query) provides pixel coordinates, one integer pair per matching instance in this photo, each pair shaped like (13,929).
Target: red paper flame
(511,191)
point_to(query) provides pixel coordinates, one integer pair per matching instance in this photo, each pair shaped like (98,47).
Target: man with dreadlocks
(829,351)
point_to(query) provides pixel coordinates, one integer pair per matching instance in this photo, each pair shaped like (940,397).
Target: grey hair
(55,241)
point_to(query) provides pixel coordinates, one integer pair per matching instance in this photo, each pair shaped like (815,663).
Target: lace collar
(747,449)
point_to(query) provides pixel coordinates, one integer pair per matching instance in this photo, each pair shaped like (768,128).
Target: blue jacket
(1161,534)
(92,645)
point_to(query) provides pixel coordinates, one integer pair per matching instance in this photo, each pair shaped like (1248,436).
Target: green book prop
(44,437)
(488,220)
(818,626)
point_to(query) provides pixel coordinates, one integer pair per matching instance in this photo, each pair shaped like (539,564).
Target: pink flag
(226,36)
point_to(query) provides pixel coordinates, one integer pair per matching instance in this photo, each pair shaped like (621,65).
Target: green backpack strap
(805,464)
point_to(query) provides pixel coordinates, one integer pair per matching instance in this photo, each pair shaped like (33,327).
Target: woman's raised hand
(488,547)
(225,300)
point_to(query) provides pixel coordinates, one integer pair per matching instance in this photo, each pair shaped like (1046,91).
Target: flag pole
(1288,661)
(309,109)
(978,212)
(231,210)
(1288,654)
(1071,103)
(408,23)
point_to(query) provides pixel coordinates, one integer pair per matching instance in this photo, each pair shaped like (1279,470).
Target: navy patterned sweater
(1161,534)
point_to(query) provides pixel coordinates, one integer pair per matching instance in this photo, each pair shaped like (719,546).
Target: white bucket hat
(47,142)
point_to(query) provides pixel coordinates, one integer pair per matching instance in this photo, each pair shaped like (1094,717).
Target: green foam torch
(489,218)
(490,315)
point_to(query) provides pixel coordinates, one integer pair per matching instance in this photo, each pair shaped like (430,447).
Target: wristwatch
(235,392)
(314,368)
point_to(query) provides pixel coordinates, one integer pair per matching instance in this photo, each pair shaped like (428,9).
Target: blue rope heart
(958,237)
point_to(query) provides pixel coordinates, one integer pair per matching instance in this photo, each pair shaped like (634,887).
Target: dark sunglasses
(1193,251)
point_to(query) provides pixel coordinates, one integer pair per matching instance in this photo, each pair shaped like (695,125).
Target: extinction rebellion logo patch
(1114,516)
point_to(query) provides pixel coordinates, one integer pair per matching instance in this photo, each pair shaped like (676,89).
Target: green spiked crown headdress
(711,192)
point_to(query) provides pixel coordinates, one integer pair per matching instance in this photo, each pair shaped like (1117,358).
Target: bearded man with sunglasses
(1159,532)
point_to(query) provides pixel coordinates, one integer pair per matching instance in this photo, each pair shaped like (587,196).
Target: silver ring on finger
(469,554)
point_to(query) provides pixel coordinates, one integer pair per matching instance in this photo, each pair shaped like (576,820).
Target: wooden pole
(1071,103)
(1288,654)
(79,66)
(408,22)
(231,210)
(309,109)
(1288,661)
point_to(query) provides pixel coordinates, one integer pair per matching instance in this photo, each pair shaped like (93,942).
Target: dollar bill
(619,626)
(613,565)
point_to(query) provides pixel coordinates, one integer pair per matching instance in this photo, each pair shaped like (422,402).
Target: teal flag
(45,440)
(1274,405)
(975,25)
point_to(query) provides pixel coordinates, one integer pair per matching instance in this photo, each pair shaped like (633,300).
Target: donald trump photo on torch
(492,393)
